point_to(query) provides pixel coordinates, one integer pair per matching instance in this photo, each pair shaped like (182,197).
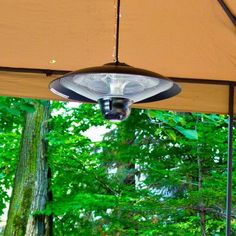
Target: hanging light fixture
(115,86)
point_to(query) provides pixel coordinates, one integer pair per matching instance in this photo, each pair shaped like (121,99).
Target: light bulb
(99,85)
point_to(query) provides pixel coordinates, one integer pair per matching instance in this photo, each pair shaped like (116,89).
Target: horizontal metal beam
(33,70)
(49,72)
(202,81)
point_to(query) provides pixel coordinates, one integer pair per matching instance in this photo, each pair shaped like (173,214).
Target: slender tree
(31,178)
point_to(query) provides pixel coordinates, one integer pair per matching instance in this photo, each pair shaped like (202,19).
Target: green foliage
(9,144)
(11,120)
(154,174)
(142,178)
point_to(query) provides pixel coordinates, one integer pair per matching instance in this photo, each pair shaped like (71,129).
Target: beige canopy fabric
(181,39)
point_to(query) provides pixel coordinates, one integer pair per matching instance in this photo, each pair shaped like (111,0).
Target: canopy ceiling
(184,39)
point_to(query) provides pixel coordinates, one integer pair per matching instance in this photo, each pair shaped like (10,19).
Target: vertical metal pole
(230,160)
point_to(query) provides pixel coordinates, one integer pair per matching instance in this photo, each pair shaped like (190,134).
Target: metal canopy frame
(231,86)
(227,11)
(230,160)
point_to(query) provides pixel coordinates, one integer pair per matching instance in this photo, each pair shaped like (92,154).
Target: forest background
(157,173)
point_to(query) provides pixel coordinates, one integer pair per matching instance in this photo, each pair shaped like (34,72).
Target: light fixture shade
(114,80)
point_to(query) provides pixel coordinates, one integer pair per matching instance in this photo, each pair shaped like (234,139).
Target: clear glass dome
(101,85)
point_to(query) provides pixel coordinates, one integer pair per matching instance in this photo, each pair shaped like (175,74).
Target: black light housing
(114,82)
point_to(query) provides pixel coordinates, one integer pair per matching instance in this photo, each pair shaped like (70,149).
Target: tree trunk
(202,212)
(30,190)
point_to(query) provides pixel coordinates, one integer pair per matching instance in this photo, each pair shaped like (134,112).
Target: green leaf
(188,133)
(171,133)
(28,108)
(13,111)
